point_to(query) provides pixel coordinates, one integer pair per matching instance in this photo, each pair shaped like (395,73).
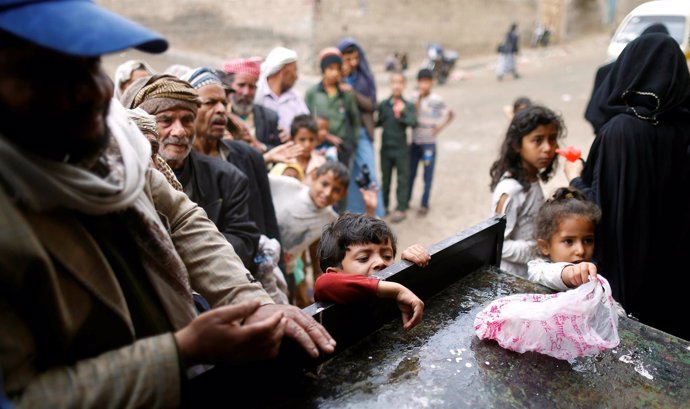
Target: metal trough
(441,363)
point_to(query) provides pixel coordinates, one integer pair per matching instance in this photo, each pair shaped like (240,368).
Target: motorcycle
(440,62)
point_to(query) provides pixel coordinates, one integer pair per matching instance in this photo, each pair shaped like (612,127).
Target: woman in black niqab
(638,172)
(591,113)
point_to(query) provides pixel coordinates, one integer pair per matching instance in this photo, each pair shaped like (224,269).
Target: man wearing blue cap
(98,254)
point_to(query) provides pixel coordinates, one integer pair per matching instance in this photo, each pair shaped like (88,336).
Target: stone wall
(224,29)
(230,28)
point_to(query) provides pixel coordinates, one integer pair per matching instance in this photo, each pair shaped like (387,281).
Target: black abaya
(638,172)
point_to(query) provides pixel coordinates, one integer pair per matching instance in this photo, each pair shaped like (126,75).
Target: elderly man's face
(245,89)
(289,76)
(176,129)
(211,117)
(52,104)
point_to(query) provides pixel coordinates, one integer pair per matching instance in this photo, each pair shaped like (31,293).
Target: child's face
(538,148)
(307,140)
(326,190)
(424,85)
(331,75)
(323,124)
(366,259)
(350,62)
(397,85)
(572,242)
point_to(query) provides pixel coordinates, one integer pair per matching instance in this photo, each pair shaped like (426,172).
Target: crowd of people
(156,223)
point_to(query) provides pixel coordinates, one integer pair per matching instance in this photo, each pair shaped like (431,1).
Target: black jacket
(221,190)
(252,164)
(266,123)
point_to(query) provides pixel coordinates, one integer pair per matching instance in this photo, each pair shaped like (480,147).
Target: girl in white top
(528,155)
(565,238)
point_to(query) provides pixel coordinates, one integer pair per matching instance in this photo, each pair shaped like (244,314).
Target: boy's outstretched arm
(345,288)
(410,305)
(417,254)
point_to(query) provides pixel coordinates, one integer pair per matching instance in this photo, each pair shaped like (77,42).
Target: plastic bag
(268,273)
(579,322)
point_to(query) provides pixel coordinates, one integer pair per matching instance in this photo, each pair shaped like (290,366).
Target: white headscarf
(123,73)
(177,70)
(275,60)
(43,184)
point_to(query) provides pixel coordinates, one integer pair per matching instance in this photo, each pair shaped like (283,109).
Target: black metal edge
(451,259)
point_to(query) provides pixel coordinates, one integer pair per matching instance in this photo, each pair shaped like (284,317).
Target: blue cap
(76,27)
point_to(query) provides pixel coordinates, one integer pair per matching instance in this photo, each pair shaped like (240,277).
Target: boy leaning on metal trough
(354,247)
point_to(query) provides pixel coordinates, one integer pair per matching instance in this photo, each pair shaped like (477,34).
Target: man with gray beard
(215,185)
(262,122)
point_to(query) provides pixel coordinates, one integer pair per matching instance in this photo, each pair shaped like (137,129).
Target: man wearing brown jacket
(98,254)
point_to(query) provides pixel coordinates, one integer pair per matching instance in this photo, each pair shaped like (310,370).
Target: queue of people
(143,236)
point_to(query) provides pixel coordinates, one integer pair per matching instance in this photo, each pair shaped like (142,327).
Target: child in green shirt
(395,116)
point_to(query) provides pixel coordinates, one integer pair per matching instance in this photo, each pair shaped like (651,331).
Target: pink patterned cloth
(579,322)
(251,66)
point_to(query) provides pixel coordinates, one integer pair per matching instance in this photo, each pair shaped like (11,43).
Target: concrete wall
(466,26)
(231,28)
(224,29)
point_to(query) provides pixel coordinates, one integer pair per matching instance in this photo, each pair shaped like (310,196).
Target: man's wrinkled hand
(299,326)
(224,335)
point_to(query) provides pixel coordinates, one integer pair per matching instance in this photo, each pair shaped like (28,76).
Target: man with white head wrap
(177,70)
(275,88)
(128,72)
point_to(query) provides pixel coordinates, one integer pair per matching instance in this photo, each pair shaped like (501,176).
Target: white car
(674,14)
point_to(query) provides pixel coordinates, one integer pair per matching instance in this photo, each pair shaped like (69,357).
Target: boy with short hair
(395,116)
(340,106)
(432,116)
(354,247)
(302,211)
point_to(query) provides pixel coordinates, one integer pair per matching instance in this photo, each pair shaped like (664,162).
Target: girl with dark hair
(528,155)
(565,238)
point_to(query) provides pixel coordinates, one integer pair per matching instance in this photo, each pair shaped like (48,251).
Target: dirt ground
(559,77)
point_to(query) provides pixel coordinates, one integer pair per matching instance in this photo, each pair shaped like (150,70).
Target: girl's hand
(417,254)
(577,274)
(573,169)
